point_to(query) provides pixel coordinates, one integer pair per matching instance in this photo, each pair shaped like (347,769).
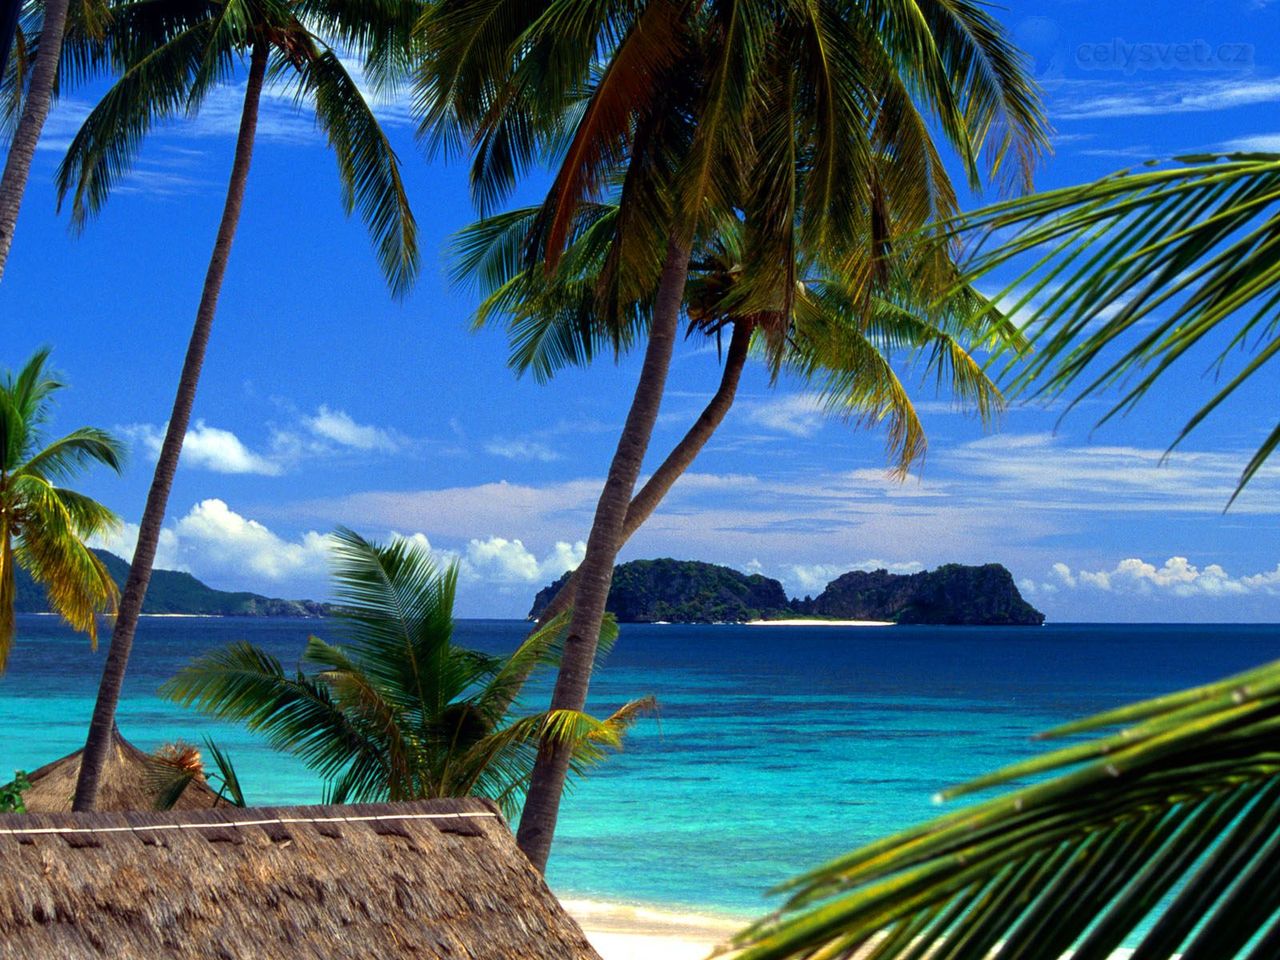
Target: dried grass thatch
(127,784)
(431,880)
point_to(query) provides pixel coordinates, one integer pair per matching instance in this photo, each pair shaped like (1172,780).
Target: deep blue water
(776,748)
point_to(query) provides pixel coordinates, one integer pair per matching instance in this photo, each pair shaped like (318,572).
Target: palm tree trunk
(678,460)
(595,574)
(652,493)
(144,555)
(34,111)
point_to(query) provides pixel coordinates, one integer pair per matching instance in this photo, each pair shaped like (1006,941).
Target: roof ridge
(259,822)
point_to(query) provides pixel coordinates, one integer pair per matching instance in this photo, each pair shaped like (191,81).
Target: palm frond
(1159,835)
(1143,269)
(368,167)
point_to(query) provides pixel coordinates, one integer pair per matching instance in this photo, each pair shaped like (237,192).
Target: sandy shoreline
(820,623)
(621,931)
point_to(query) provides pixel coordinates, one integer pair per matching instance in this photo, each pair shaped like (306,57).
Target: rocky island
(174,592)
(689,591)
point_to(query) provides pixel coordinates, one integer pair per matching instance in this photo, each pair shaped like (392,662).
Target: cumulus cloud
(209,448)
(326,433)
(510,561)
(221,538)
(338,427)
(525,450)
(212,540)
(1176,577)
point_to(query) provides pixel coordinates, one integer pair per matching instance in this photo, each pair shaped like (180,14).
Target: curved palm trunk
(678,460)
(144,555)
(34,111)
(595,574)
(652,493)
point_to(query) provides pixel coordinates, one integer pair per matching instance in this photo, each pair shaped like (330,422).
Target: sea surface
(775,748)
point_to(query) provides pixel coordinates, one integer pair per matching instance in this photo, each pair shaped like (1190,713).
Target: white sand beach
(820,623)
(622,931)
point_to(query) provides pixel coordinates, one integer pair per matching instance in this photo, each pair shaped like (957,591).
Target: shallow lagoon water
(774,749)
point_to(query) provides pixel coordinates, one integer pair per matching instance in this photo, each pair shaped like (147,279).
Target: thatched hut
(429,880)
(128,783)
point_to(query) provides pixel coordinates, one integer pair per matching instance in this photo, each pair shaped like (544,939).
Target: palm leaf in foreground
(1164,831)
(1141,269)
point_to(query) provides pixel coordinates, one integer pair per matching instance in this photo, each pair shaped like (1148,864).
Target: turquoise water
(776,748)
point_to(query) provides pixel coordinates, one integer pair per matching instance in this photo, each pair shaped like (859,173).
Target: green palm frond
(397,711)
(1143,269)
(43,526)
(1159,833)
(368,168)
(154,88)
(69,455)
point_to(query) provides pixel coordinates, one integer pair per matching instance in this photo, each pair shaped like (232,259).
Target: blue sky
(325,402)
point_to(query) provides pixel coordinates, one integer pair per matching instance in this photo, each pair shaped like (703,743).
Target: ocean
(775,748)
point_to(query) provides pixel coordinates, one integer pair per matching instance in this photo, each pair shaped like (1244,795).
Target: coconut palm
(35,108)
(694,115)
(1160,834)
(833,340)
(1141,270)
(172,56)
(44,526)
(398,711)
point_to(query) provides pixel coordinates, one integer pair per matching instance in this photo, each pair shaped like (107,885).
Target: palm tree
(35,105)
(1141,270)
(44,526)
(833,340)
(695,115)
(171,57)
(399,712)
(1160,834)
(45,45)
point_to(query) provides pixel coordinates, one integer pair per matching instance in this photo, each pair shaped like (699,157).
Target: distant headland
(173,592)
(689,591)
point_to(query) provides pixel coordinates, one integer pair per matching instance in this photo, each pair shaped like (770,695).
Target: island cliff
(688,591)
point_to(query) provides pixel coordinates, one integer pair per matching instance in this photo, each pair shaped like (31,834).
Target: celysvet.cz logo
(1130,57)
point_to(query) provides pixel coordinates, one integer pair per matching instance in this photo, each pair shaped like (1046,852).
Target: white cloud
(1262,143)
(510,561)
(339,427)
(123,541)
(210,448)
(214,535)
(326,433)
(1177,577)
(1163,98)
(214,541)
(797,414)
(525,450)
(812,578)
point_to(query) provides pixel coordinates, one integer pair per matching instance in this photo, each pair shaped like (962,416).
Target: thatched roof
(429,880)
(126,784)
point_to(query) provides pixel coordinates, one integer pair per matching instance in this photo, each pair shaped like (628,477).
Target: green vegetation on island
(177,592)
(689,591)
